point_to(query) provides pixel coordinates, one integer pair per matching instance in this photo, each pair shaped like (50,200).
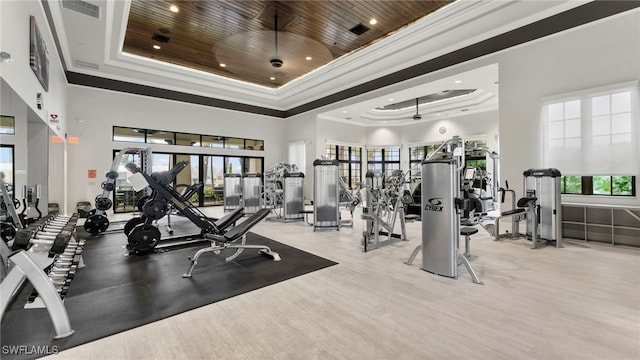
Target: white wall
(601,53)
(37,158)
(14,37)
(94,112)
(18,92)
(604,53)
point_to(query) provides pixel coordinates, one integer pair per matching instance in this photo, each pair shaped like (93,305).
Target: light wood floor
(578,302)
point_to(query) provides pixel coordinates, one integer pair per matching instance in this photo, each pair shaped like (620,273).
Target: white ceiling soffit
(484,79)
(85,39)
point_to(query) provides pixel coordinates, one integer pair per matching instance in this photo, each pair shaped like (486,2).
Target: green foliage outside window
(598,185)
(601,185)
(622,185)
(572,185)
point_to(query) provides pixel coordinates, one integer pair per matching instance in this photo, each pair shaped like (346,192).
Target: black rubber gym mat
(114,292)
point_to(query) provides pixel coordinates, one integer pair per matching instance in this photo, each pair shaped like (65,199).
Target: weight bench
(224,241)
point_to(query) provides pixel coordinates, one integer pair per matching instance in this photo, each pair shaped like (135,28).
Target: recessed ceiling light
(223,65)
(373,22)
(308,58)
(458,81)
(390,99)
(272,78)
(344,111)
(174,8)
(157,47)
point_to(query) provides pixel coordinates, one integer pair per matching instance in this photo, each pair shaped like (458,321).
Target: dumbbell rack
(48,256)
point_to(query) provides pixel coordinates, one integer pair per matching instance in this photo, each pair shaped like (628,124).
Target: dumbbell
(27,237)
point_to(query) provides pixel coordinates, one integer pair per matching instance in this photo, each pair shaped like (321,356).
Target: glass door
(125,199)
(189,175)
(234,165)
(213,168)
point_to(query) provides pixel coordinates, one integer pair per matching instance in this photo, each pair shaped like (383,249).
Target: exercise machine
(30,201)
(293,196)
(97,221)
(348,201)
(382,207)
(284,192)
(477,208)
(326,192)
(229,240)
(540,207)
(187,193)
(145,236)
(12,223)
(544,184)
(232,191)
(251,192)
(476,181)
(515,214)
(441,204)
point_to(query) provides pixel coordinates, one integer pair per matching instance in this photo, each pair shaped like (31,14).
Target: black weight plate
(108,186)
(133,222)
(103,203)
(143,238)
(96,224)
(7,232)
(155,209)
(112,175)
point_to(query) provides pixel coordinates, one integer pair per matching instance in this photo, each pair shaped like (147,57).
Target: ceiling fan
(276,61)
(417,115)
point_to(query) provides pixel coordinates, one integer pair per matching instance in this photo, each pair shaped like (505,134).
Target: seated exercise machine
(382,207)
(541,208)
(226,240)
(441,204)
(145,236)
(481,187)
(516,214)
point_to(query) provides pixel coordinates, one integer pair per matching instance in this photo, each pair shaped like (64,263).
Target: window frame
(587,183)
(353,162)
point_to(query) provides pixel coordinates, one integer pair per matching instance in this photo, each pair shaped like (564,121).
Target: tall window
(297,155)
(383,159)
(592,138)
(350,162)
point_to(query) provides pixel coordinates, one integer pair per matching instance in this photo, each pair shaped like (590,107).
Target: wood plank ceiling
(241,34)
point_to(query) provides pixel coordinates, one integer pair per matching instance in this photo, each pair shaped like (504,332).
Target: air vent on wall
(82,7)
(359,29)
(160,38)
(86,64)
